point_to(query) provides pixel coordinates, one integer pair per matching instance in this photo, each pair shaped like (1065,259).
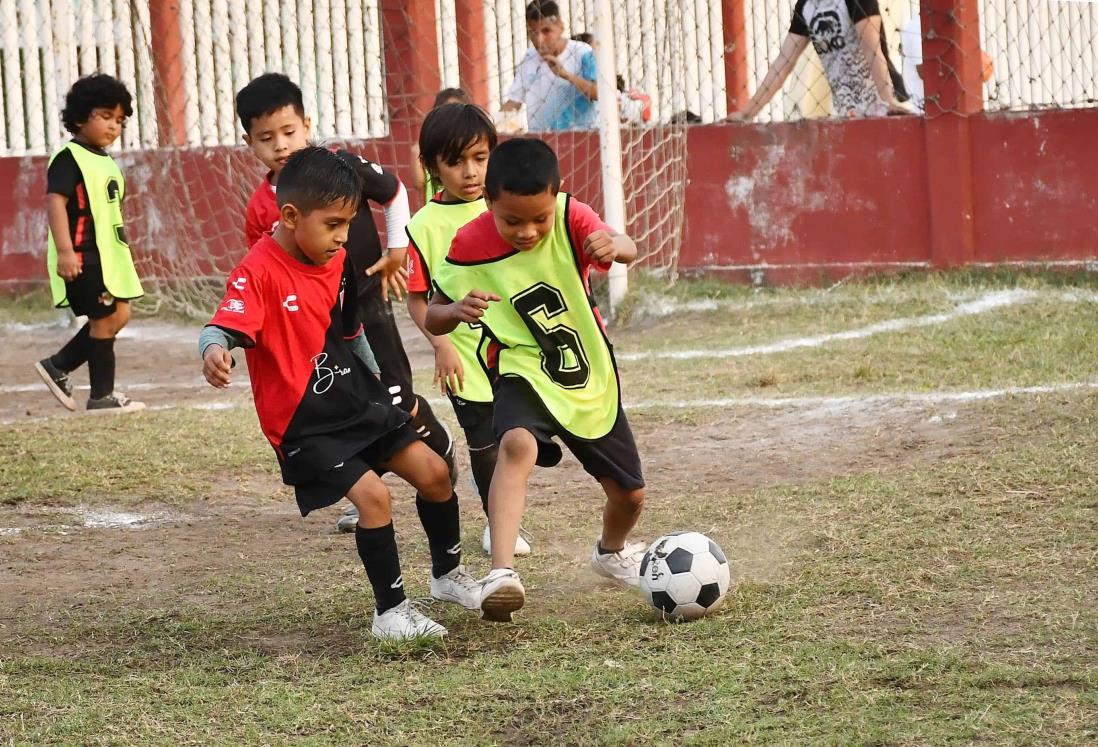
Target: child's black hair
(538,10)
(451,96)
(267,94)
(521,166)
(451,128)
(94,92)
(315,177)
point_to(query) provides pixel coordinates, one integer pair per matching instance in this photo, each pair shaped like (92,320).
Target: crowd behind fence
(1041,54)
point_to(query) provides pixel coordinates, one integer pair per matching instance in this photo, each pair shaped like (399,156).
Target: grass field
(903,473)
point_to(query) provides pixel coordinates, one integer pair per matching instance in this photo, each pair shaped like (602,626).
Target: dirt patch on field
(57,562)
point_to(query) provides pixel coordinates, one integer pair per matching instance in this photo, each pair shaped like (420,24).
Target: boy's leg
(437,506)
(75,352)
(518,452)
(375,539)
(619,515)
(101,362)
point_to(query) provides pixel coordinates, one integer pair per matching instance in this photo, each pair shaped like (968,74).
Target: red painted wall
(794,202)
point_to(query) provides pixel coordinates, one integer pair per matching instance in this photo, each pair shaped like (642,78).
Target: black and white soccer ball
(684,575)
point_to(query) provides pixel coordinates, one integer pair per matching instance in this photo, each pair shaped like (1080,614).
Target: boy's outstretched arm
(444,315)
(604,247)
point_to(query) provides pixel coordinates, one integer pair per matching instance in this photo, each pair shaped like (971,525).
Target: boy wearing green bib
(520,272)
(88,260)
(454,144)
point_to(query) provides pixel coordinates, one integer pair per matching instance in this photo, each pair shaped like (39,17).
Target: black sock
(430,430)
(75,352)
(378,550)
(483,463)
(101,367)
(603,551)
(443,528)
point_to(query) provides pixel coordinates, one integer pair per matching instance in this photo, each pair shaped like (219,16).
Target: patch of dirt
(48,573)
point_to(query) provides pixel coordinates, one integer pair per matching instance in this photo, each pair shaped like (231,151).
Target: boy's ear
(247,139)
(289,215)
(308,122)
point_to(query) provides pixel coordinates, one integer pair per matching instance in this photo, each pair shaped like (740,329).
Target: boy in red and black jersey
(272,113)
(334,429)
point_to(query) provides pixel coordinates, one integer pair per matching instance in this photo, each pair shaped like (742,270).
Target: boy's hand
(217,362)
(394,276)
(471,308)
(449,373)
(68,265)
(599,246)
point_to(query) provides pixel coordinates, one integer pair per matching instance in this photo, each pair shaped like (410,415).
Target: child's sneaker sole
(56,391)
(498,606)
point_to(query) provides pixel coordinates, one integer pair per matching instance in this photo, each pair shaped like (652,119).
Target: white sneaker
(622,566)
(458,587)
(348,522)
(522,546)
(501,593)
(403,622)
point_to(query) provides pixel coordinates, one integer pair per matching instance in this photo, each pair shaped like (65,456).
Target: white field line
(987,302)
(863,400)
(136,386)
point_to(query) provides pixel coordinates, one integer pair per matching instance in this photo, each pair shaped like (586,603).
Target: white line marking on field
(984,304)
(861,399)
(136,387)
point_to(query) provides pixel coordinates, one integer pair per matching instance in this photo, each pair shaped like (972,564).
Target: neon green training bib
(432,230)
(105,187)
(547,328)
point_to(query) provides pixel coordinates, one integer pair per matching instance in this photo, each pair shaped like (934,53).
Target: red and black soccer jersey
(65,178)
(317,402)
(363,244)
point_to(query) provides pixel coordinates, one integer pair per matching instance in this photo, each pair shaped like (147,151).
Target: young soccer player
(89,262)
(273,116)
(290,304)
(421,175)
(521,272)
(454,144)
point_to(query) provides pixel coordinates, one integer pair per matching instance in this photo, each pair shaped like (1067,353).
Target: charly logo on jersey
(240,282)
(234,305)
(325,375)
(290,304)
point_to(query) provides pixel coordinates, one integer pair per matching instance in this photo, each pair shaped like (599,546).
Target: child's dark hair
(521,166)
(584,37)
(451,96)
(315,177)
(451,128)
(267,94)
(94,92)
(538,10)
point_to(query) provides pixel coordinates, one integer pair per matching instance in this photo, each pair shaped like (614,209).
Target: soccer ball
(684,575)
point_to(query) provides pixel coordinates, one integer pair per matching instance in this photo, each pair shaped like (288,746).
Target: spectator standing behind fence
(847,37)
(556,78)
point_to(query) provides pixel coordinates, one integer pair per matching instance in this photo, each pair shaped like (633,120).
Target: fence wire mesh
(369,70)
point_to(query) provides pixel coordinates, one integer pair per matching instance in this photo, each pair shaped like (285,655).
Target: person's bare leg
(370,496)
(518,451)
(620,514)
(424,470)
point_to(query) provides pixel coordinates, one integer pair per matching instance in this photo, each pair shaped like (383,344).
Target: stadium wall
(780,202)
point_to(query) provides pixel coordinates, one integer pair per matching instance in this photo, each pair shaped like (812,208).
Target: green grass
(944,600)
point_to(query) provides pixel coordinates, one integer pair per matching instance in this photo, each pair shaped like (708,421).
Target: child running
(290,304)
(454,144)
(88,260)
(521,272)
(272,113)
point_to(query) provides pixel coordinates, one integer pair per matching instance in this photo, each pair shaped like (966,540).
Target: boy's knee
(518,445)
(436,486)
(632,499)
(373,500)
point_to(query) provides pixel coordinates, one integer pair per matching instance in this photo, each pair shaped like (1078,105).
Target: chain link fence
(369,70)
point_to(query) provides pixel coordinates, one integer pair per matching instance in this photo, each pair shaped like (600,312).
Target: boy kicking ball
(291,304)
(521,272)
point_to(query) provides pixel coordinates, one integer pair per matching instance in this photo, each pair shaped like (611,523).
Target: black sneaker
(57,381)
(115,401)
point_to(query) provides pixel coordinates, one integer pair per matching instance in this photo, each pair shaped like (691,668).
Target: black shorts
(381,331)
(88,295)
(331,486)
(614,455)
(475,419)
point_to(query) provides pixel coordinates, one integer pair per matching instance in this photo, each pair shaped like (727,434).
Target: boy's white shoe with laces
(458,587)
(522,546)
(501,593)
(622,566)
(403,622)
